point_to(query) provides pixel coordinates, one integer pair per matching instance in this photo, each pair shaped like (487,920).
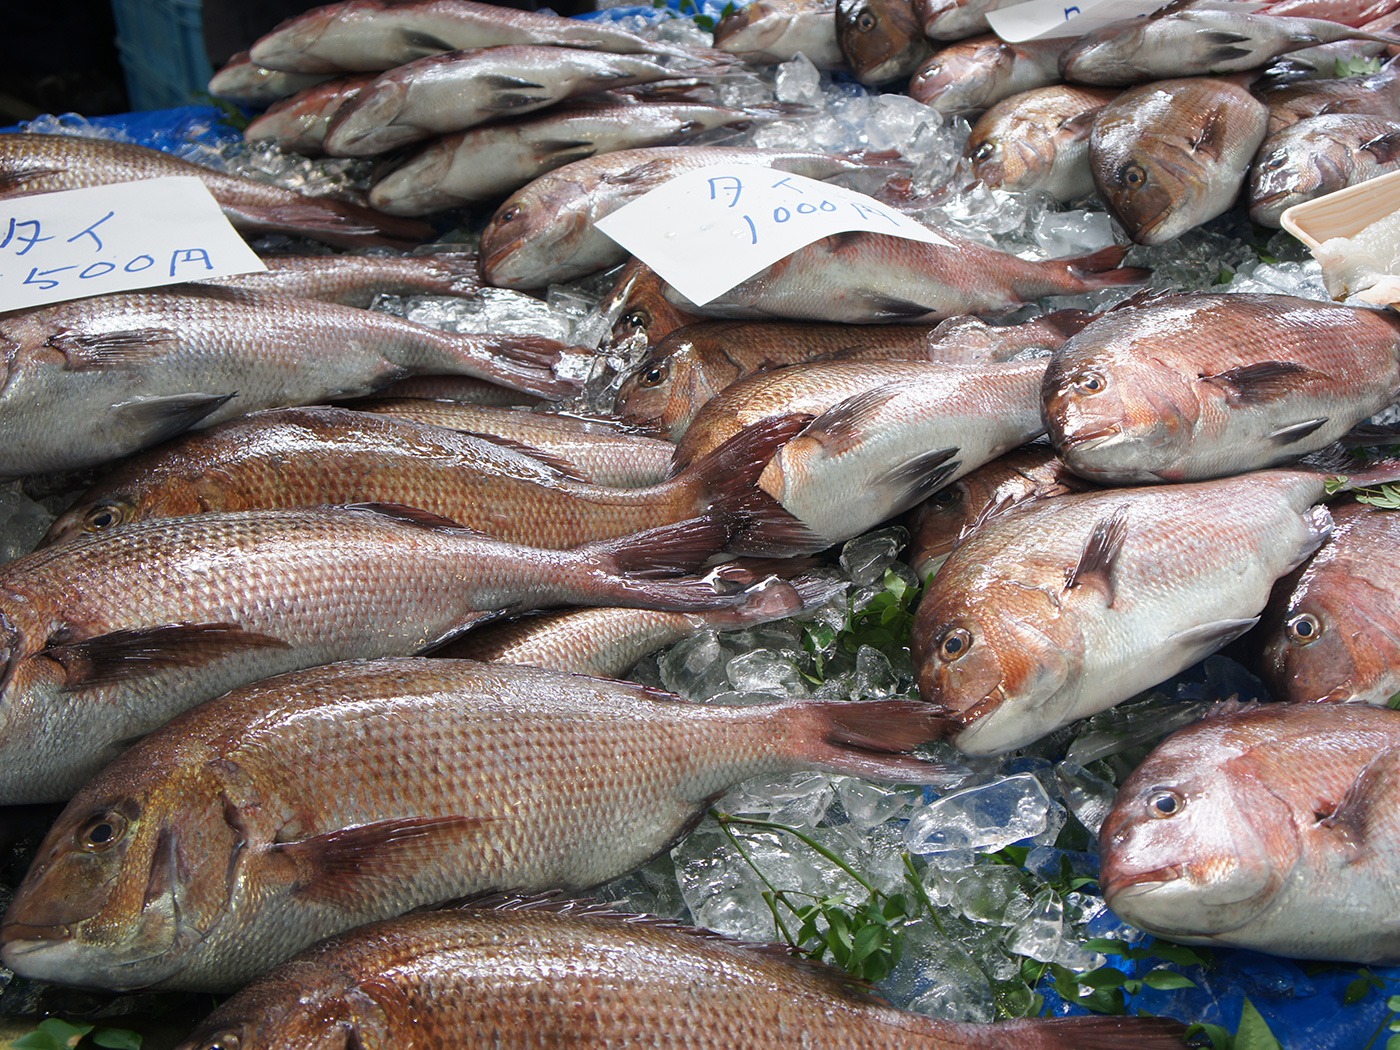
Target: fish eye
(946,498)
(954,644)
(229,1039)
(1088,383)
(1304,628)
(865,22)
(654,376)
(984,152)
(1275,160)
(103,516)
(1164,803)
(102,833)
(1132,176)
(510,214)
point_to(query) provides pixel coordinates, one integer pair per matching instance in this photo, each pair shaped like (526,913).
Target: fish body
(955,19)
(1185,387)
(1060,608)
(126,370)
(969,77)
(943,520)
(459,89)
(615,981)
(243,80)
(1377,94)
(881,39)
(492,160)
(299,124)
(111,635)
(1320,155)
(637,301)
(1271,828)
(371,35)
(358,280)
(1332,630)
(544,233)
(309,804)
(1038,141)
(1205,41)
(767,32)
(600,451)
(43,163)
(864,278)
(1173,154)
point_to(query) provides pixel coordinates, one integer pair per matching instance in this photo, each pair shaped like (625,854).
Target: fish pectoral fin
(1203,639)
(890,308)
(1094,570)
(348,866)
(1261,382)
(89,351)
(1227,53)
(423,45)
(1385,148)
(462,626)
(1296,431)
(162,417)
(842,426)
(1373,791)
(1213,137)
(915,480)
(566,151)
(120,656)
(647,170)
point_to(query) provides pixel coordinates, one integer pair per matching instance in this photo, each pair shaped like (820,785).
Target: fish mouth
(1093,438)
(1135,883)
(19,938)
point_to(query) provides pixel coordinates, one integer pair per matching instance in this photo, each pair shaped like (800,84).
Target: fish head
(881,39)
(305,1004)
(415,186)
(751,30)
(994,656)
(367,124)
(1196,845)
(1111,419)
(668,388)
(962,80)
(293,44)
(92,516)
(936,524)
(119,890)
(1104,56)
(1294,170)
(1013,155)
(527,232)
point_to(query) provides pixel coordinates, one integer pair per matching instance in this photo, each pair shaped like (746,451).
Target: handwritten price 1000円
(804,203)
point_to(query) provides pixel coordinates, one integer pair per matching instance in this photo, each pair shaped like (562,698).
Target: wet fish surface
(1038,141)
(955,19)
(358,280)
(127,370)
(300,123)
(758,997)
(285,812)
(243,80)
(881,39)
(768,32)
(1270,828)
(969,77)
(1317,156)
(1376,94)
(1185,387)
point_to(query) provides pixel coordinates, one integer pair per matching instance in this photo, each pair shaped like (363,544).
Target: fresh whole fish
(1332,630)
(1317,156)
(1209,41)
(243,80)
(1270,828)
(943,520)
(881,39)
(969,77)
(1376,94)
(299,124)
(43,163)
(871,277)
(308,457)
(286,811)
(1057,609)
(1348,12)
(492,160)
(637,301)
(1173,154)
(113,634)
(124,371)
(368,35)
(694,363)
(601,451)
(1185,387)
(1331,60)
(767,32)
(955,19)
(358,280)
(544,234)
(1038,141)
(454,91)
(524,972)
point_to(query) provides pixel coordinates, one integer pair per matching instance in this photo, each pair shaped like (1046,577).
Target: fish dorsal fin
(411,515)
(1373,791)
(1212,138)
(1095,566)
(120,656)
(1385,148)
(1261,382)
(347,866)
(986,514)
(89,351)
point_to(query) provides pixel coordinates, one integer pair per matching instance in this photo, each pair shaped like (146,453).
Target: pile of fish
(274,657)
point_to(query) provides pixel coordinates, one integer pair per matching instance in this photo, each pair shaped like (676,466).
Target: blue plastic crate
(161,43)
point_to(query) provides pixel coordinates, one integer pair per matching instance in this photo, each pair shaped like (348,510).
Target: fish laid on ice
(91,380)
(638,303)
(299,124)
(357,280)
(111,635)
(1038,141)
(528,973)
(881,39)
(1185,387)
(305,805)
(243,80)
(767,32)
(1319,155)
(43,163)
(1172,154)
(1332,630)
(1269,827)
(969,77)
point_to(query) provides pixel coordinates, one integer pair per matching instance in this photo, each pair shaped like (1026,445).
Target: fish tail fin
(1087,1033)
(335,222)
(873,739)
(454,273)
(521,362)
(1350,476)
(1102,269)
(667,550)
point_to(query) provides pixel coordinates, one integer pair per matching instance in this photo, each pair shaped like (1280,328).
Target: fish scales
(358,280)
(305,805)
(571,976)
(768,32)
(969,77)
(1317,156)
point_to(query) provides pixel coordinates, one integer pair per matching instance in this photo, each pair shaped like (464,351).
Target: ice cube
(938,977)
(1073,232)
(695,667)
(799,81)
(22,522)
(1041,934)
(767,671)
(1089,798)
(868,805)
(985,818)
(866,557)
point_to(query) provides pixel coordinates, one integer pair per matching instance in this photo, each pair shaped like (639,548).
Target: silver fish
(1376,94)
(1038,141)
(243,80)
(767,32)
(971,76)
(1317,156)
(299,124)
(358,280)
(955,19)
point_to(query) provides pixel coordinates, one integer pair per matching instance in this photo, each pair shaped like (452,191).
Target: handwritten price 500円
(23,234)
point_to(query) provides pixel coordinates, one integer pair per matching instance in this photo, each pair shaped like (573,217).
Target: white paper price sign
(74,243)
(708,230)
(1045,19)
